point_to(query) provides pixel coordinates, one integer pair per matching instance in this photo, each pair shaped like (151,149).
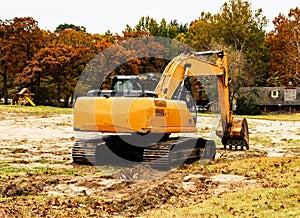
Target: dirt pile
(24,186)
(139,172)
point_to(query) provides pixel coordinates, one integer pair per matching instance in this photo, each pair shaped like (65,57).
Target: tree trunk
(72,99)
(5,88)
(66,103)
(37,98)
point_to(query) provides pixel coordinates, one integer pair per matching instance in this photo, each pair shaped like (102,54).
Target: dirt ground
(36,160)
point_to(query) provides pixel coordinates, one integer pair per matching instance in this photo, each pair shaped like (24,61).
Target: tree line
(50,63)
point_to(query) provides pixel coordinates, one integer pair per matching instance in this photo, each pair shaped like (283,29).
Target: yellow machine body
(125,115)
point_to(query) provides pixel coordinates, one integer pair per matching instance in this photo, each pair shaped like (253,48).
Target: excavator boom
(234,132)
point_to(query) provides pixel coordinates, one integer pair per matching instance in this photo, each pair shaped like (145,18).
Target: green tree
(247,106)
(243,29)
(202,33)
(66,26)
(152,27)
(240,31)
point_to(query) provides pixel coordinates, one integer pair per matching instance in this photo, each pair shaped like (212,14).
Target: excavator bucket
(237,134)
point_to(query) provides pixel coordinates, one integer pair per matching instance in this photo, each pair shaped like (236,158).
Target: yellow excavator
(136,124)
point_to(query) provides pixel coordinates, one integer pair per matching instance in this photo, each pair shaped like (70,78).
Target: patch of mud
(85,186)
(139,172)
(24,186)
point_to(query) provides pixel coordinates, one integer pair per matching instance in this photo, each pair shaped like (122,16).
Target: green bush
(247,106)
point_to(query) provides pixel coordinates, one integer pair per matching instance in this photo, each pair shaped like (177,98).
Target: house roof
(268,95)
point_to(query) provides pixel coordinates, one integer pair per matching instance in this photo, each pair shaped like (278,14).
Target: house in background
(274,99)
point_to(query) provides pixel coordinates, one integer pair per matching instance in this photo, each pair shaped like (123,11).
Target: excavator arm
(234,132)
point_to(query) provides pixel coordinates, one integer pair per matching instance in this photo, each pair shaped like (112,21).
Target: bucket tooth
(238,136)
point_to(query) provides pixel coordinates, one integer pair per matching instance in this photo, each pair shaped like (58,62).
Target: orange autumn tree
(136,52)
(20,39)
(55,68)
(284,43)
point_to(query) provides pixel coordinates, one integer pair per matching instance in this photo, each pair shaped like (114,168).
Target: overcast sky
(98,16)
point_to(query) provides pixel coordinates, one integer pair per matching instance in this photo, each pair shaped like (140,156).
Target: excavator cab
(125,83)
(124,86)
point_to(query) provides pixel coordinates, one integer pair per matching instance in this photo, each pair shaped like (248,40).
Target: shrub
(247,106)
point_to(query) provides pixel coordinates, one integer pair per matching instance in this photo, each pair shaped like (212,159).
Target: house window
(290,94)
(274,94)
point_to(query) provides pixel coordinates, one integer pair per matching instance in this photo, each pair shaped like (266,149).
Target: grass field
(37,110)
